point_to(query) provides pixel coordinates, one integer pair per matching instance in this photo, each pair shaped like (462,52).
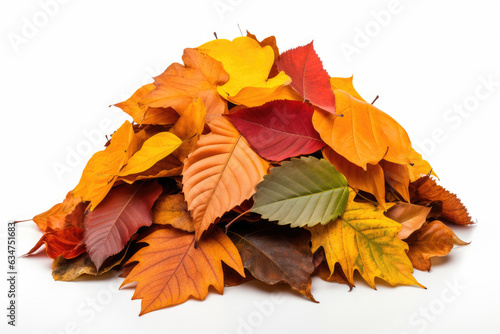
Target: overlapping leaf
(55,217)
(279,129)
(411,217)
(305,191)
(172,210)
(171,269)
(220,174)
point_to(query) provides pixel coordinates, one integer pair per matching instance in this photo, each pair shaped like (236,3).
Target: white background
(425,59)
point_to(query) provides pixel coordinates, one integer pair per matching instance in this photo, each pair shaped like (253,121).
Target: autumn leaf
(346,85)
(66,242)
(153,150)
(143,114)
(248,65)
(221,173)
(166,167)
(398,177)
(172,210)
(279,129)
(55,217)
(170,269)
(110,226)
(305,191)
(324,273)
(101,171)
(364,135)
(189,128)
(363,239)
(428,190)
(433,239)
(309,78)
(275,254)
(411,217)
(179,85)
(271,41)
(419,167)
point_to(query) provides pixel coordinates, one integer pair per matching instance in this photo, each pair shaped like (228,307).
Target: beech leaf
(305,191)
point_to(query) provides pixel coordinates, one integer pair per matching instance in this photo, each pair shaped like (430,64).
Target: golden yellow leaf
(363,239)
(101,171)
(345,84)
(248,65)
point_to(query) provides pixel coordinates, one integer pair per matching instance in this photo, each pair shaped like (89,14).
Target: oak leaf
(171,269)
(363,239)
(199,77)
(248,65)
(275,254)
(278,129)
(428,190)
(300,192)
(309,78)
(221,173)
(172,210)
(433,239)
(110,226)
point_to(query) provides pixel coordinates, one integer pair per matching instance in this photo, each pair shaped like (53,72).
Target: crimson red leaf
(66,242)
(125,209)
(278,129)
(309,78)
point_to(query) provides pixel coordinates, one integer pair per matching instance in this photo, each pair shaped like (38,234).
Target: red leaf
(278,129)
(67,243)
(309,78)
(113,222)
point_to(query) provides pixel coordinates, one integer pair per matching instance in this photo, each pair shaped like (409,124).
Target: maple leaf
(428,190)
(221,173)
(275,254)
(363,239)
(153,150)
(55,217)
(66,242)
(433,239)
(101,171)
(324,273)
(364,135)
(172,210)
(278,129)
(109,227)
(170,269)
(248,65)
(411,217)
(309,78)
(305,191)
(143,114)
(179,85)
(189,128)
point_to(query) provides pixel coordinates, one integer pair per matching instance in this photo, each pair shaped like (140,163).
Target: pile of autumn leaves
(244,163)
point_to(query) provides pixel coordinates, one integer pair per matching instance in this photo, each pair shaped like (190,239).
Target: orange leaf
(434,239)
(143,114)
(346,85)
(398,177)
(364,135)
(172,210)
(428,190)
(179,85)
(54,218)
(411,217)
(101,171)
(171,268)
(220,174)
(67,242)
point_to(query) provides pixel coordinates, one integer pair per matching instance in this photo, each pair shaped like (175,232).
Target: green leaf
(301,192)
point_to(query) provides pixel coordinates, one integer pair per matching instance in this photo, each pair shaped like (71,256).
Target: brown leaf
(411,217)
(433,239)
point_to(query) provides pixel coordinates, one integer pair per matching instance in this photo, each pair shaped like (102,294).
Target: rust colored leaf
(110,226)
(309,78)
(55,217)
(275,254)
(172,210)
(67,242)
(411,217)
(433,239)
(221,173)
(428,190)
(171,269)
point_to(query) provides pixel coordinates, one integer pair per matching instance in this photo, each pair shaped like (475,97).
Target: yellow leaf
(364,239)
(248,65)
(220,174)
(345,84)
(189,128)
(101,171)
(418,167)
(153,150)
